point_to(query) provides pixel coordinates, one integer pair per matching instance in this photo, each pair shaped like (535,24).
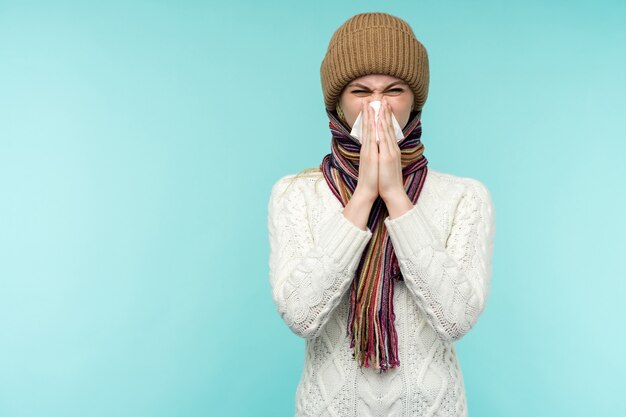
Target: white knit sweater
(444,246)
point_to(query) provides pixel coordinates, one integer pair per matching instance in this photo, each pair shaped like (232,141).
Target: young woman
(377,261)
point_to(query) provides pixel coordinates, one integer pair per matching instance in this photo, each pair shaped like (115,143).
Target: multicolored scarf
(371,325)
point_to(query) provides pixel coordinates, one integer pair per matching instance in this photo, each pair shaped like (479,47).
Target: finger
(364,120)
(393,144)
(372,126)
(382,127)
(389,123)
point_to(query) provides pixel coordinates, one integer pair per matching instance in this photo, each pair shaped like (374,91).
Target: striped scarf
(371,327)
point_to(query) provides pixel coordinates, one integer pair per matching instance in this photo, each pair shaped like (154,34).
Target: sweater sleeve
(450,281)
(311,265)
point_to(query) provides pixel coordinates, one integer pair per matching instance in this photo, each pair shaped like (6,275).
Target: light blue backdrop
(138,146)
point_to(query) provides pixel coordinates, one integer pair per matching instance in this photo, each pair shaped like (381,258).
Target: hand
(367,183)
(390,182)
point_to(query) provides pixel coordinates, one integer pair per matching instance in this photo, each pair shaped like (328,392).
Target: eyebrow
(363,86)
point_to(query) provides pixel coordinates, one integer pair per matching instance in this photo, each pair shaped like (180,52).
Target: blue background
(138,146)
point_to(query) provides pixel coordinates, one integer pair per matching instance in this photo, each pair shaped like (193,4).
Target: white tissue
(357,128)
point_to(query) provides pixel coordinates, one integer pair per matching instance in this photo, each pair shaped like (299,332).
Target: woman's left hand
(390,183)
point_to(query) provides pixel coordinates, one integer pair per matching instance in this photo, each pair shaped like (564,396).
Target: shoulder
(295,183)
(444,182)
(473,204)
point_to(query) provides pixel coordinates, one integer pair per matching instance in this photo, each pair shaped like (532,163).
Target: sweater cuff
(342,240)
(411,232)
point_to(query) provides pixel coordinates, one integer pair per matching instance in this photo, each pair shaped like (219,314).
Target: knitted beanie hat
(374,43)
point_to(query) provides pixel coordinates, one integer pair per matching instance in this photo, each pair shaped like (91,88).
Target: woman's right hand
(367,183)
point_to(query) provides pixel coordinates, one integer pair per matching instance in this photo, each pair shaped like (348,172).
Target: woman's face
(374,87)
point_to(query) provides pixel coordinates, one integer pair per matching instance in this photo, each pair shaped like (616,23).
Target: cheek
(349,105)
(402,110)
(355,109)
(352,110)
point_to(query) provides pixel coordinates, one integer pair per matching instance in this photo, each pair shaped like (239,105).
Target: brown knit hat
(374,43)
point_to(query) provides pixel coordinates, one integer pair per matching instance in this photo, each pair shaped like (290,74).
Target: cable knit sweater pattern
(444,246)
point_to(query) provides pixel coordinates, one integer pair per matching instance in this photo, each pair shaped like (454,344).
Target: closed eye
(363,91)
